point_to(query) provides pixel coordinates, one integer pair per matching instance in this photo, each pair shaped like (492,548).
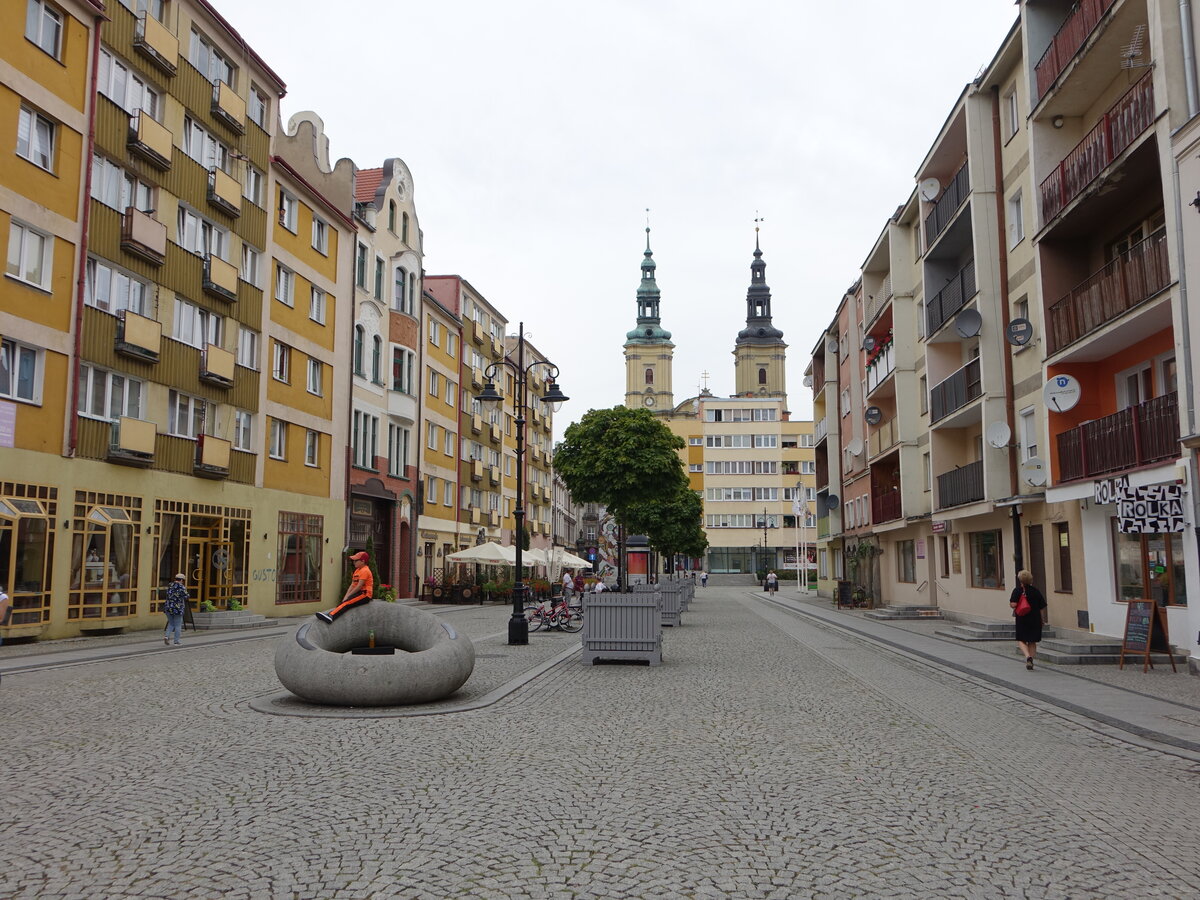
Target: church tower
(759,352)
(649,352)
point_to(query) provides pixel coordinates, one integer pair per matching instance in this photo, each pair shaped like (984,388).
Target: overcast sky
(538,131)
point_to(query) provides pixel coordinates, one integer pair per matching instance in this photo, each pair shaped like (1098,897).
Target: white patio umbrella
(571,561)
(489,554)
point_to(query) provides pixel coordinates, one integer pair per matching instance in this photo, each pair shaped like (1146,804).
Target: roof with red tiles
(366,182)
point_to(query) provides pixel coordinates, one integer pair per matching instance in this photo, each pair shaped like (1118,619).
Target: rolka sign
(1153,509)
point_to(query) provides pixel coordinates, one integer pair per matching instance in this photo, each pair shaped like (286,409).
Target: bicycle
(561,615)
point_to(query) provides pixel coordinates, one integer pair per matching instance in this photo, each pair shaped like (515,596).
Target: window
(1029,443)
(35,138)
(404,227)
(431,494)
(312,447)
(1016,220)
(379,278)
(111,290)
(649,376)
(113,186)
(285,283)
(434,384)
(252,185)
(403,362)
(316,372)
(448,493)
(300,549)
(695,441)
(392,216)
(209,61)
(316,305)
(451,345)
(1062,557)
(435,332)
(398,438)
(125,87)
(43,26)
(203,147)
(448,443)
(695,467)
(200,236)
(247,352)
(196,326)
(1168,376)
(377,359)
(1149,566)
(986,556)
(1012,113)
(762,376)
(320,235)
(360,266)
(106,395)
(281,361)
(360,336)
(185,415)
(431,440)
(1135,385)
(400,298)
(906,562)
(845,403)
(808,467)
(278,447)
(451,391)
(19,372)
(257,108)
(250,262)
(243,430)
(289,211)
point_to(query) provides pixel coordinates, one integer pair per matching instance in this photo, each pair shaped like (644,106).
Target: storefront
(209,544)
(28,513)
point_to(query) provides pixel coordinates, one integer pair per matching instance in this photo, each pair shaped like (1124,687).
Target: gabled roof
(366,183)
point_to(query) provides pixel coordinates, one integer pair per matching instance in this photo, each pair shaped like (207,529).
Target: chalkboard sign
(845,594)
(1145,633)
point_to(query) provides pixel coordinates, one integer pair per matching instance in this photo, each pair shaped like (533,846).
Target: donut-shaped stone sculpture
(431,660)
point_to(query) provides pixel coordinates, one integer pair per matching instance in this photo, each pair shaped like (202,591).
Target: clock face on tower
(649,401)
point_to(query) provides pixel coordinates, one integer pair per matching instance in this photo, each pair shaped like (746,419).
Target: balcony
(476,516)
(881,367)
(535,454)
(131,442)
(476,331)
(476,377)
(498,348)
(144,236)
(1071,35)
(955,392)
(947,205)
(961,485)
(155,42)
(150,140)
(883,437)
(224,192)
(477,423)
(822,473)
(212,457)
(1139,435)
(494,474)
(822,526)
(220,278)
(886,507)
(876,303)
(228,107)
(403,406)
(216,366)
(494,434)
(950,299)
(494,518)
(138,337)
(1116,130)
(477,470)
(820,430)
(1133,277)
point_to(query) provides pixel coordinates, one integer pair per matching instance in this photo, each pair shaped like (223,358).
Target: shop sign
(1110,490)
(920,548)
(361,507)
(1153,509)
(941,527)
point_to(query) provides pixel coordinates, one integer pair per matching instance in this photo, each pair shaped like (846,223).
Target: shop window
(1149,567)
(26,547)
(986,556)
(298,578)
(210,544)
(104,556)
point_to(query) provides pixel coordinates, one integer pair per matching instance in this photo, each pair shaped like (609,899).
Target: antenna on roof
(1133,50)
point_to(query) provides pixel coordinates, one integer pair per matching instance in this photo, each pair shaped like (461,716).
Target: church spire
(648,321)
(759,328)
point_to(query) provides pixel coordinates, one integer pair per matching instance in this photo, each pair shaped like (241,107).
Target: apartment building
(386,371)
(539,447)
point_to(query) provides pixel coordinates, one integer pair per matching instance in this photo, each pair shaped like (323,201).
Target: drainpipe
(81,283)
(1002,253)
(1185,328)
(1189,56)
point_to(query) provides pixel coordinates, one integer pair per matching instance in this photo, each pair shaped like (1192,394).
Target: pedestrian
(568,583)
(1029,614)
(173,606)
(579,583)
(600,587)
(5,612)
(704,578)
(362,587)
(772,582)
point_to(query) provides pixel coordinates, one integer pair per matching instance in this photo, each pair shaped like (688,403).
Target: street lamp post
(491,399)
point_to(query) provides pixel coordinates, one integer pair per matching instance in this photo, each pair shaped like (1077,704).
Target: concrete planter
(622,626)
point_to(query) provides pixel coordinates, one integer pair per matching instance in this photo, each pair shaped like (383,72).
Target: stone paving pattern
(767,757)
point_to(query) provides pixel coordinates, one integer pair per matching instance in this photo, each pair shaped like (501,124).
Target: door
(1036,561)
(196,570)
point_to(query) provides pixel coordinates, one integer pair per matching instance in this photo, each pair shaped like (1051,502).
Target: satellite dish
(967,323)
(808,381)
(833,346)
(832,501)
(855,446)
(998,434)
(1019,332)
(1033,470)
(930,189)
(873,415)
(868,343)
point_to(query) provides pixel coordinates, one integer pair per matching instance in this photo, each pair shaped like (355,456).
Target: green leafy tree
(673,524)
(620,458)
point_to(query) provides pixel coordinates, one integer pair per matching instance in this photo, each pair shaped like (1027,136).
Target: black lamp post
(490,399)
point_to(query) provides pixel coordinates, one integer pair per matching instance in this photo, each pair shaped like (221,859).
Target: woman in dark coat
(1029,626)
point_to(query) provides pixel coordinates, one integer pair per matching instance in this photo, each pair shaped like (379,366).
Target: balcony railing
(951,298)
(821,430)
(1136,436)
(961,485)
(1116,130)
(947,205)
(882,437)
(886,507)
(876,303)
(1136,275)
(1070,37)
(955,392)
(883,365)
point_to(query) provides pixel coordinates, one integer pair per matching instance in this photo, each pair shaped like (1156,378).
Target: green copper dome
(648,330)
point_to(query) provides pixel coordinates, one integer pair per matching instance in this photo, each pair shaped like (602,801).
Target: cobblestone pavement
(767,757)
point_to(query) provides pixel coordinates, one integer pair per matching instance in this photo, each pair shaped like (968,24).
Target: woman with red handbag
(1029,613)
